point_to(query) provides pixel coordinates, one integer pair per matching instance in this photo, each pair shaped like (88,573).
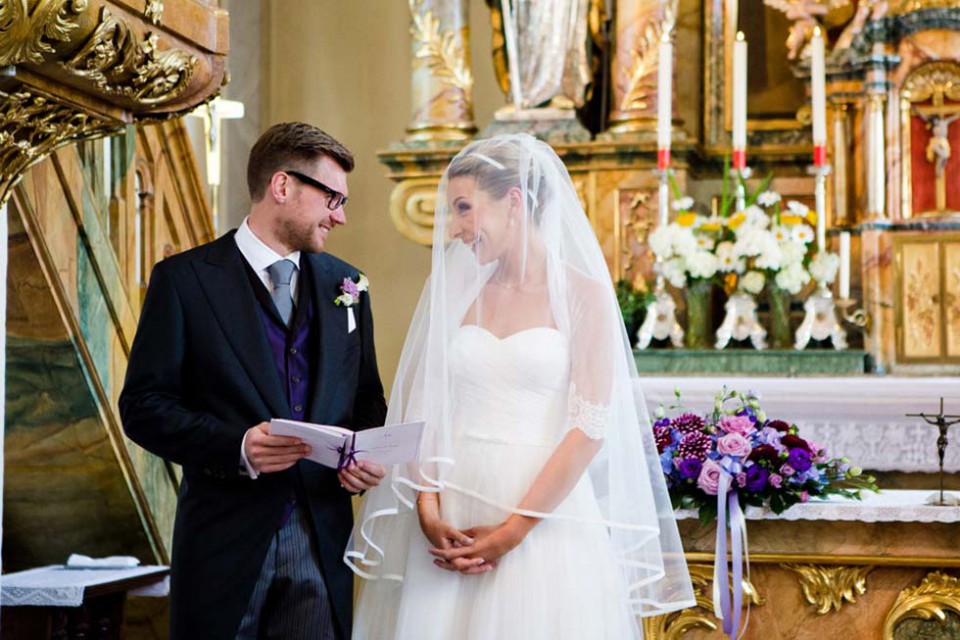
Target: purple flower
(756,478)
(799,459)
(350,287)
(662,422)
(741,425)
(794,442)
(779,425)
(741,479)
(688,423)
(695,445)
(787,470)
(690,468)
(663,437)
(733,444)
(775,480)
(709,479)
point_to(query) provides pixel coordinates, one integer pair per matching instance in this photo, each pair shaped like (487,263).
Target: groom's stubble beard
(301,235)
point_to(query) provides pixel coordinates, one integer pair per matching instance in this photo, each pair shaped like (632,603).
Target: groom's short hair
(289,145)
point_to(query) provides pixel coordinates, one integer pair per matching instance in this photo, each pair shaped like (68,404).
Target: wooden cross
(939,117)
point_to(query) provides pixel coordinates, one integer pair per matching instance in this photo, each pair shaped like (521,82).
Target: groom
(232,334)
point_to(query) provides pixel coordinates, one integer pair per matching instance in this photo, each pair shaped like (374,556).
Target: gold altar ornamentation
(674,626)
(937,82)
(32,125)
(645,58)
(899,7)
(951,299)
(827,587)
(121,64)
(932,599)
(154,11)
(804,14)
(440,51)
(27,35)
(412,205)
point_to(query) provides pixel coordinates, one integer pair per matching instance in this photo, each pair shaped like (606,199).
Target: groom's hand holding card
(337,448)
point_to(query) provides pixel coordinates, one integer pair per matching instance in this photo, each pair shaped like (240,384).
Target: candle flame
(816,32)
(665,38)
(740,36)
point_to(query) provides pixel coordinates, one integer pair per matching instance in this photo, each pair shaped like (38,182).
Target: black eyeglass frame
(335,199)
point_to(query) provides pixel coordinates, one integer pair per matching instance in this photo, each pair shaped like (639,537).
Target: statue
(938,148)
(805,15)
(548,47)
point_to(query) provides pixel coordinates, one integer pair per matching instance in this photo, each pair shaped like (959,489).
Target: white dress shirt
(259,256)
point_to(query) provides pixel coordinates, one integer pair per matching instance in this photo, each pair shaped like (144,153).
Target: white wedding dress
(562,582)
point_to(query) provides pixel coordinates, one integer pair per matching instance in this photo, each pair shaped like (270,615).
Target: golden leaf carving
(828,587)
(154,11)
(412,206)
(121,64)
(645,58)
(441,51)
(33,124)
(674,626)
(26,35)
(938,594)
(934,80)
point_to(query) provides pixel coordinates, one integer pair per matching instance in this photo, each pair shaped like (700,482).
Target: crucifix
(942,422)
(939,117)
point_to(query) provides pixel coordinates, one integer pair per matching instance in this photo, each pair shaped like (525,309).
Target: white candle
(739,93)
(844,286)
(664,93)
(818,89)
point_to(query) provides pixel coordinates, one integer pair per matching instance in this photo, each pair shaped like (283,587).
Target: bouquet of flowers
(771,465)
(747,248)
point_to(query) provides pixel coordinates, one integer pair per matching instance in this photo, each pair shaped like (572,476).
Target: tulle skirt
(561,583)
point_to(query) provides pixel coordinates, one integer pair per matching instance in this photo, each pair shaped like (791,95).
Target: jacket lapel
(227,287)
(332,321)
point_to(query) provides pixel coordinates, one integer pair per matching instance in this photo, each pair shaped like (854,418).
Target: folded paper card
(336,447)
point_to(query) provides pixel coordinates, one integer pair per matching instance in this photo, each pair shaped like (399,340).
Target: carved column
(640,25)
(442,82)
(876,158)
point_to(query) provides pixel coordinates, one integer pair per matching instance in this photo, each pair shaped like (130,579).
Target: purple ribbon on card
(348,456)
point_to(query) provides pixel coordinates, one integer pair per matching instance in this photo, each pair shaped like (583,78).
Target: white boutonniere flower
(349,296)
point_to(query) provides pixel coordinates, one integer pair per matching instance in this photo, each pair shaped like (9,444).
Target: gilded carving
(828,587)
(154,11)
(32,125)
(909,6)
(26,35)
(121,64)
(441,51)
(921,289)
(412,206)
(932,599)
(674,626)
(645,58)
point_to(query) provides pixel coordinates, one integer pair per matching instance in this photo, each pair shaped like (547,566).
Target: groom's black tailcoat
(200,374)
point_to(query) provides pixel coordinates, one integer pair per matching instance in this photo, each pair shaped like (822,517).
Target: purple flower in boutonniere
(350,291)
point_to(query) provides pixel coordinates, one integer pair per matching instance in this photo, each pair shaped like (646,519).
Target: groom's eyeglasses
(335,199)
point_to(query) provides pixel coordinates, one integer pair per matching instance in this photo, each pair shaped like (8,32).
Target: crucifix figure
(942,422)
(939,117)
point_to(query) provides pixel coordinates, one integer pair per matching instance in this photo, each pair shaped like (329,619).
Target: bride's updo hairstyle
(497,167)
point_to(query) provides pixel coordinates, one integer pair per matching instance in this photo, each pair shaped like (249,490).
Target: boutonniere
(349,296)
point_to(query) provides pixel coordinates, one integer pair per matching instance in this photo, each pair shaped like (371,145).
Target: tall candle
(664,101)
(844,286)
(739,102)
(818,98)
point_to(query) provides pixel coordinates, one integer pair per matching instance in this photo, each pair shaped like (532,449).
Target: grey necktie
(280,273)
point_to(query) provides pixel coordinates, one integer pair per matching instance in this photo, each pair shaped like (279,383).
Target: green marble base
(745,361)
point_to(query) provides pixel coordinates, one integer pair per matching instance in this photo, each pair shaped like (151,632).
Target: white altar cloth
(861,417)
(57,586)
(886,506)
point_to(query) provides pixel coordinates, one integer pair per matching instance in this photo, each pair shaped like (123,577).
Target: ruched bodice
(512,389)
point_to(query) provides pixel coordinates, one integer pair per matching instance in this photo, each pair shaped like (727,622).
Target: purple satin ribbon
(348,456)
(728,502)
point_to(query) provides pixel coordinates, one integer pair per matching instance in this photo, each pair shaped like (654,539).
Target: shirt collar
(258,255)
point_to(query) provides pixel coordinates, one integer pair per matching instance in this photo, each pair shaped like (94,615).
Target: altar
(877,569)
(862,417)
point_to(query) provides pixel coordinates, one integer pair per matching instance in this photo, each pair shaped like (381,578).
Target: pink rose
(787,470)
(733,444)
(775,480)
(709,479)
(742,479)
(804,496)
(737,424)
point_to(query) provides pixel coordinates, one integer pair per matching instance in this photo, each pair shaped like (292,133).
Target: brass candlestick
(943,422)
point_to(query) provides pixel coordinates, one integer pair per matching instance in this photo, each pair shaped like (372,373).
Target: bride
(537,509)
